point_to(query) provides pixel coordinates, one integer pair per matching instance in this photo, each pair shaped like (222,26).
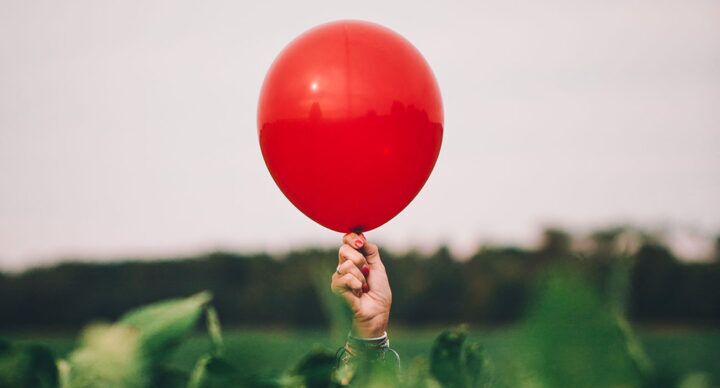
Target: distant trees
(490,287)
(665,289)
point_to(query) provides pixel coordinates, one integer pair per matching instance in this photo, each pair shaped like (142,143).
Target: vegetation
(570,337)
(567,308)
(493,286)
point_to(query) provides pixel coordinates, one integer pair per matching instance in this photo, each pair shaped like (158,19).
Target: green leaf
(130,352)
(108,357)
(418,374)
(215,331)
(695,380)
(446,363)
(336,309)
(476,366)
(213,371)
(316,369)
(27,366)
(162,325)
(198,374)
(571,338)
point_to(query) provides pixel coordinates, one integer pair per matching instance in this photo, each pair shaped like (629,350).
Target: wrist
(367,344)
(372,328)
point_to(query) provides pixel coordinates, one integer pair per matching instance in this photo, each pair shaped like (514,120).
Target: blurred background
(578,135)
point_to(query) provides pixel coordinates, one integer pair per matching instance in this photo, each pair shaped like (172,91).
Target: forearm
(362,281)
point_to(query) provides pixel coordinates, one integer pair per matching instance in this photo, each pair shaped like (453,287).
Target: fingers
(368,249)
(347,282)
(354,240)
(350,267)
(347,253)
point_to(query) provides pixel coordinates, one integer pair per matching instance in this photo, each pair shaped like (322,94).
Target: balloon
(350,122)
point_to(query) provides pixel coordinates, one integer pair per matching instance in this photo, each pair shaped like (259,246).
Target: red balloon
(350,122)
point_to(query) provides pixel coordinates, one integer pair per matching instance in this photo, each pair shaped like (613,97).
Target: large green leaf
(130,352)
(572,338)
(162,325)
(109,356)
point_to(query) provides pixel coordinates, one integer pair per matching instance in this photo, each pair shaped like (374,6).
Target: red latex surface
(350,122)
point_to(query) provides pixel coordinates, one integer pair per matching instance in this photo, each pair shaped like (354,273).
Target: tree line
(638,273)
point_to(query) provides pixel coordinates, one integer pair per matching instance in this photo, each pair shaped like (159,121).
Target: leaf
(571,338)
(108,357)
(336,309)
(316,369)
(27,366)
(211,371)
(214,329)
(446,358)
(198,374)
(130,352)
(695,380)
(163,324)
(476,366)
(418,374)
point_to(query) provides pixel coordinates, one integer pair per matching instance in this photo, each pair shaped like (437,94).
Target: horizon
(685,244)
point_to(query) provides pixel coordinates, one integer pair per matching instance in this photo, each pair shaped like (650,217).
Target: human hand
(362,281)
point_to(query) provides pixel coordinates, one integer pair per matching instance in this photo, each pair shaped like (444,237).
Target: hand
(361,280)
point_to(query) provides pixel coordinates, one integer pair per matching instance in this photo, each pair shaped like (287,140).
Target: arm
(361,280)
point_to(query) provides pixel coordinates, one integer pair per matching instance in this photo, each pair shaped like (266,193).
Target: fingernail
(365,270)
(365,288)
(358,243)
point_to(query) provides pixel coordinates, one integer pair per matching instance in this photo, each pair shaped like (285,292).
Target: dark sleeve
(362,360)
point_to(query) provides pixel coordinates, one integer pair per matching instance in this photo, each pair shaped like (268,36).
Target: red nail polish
(366,288)
(365,270)
(358,243)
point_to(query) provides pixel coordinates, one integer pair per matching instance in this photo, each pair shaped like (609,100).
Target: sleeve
(362,358)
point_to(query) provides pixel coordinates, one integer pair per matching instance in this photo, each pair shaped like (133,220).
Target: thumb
(371,252)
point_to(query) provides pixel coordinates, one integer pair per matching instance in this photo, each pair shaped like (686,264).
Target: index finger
(360,243)
(354,240)
(347,252)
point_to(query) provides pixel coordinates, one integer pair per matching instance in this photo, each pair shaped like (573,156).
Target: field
(677,351)
(570,336)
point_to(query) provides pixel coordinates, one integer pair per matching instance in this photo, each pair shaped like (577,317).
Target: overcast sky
(128,127)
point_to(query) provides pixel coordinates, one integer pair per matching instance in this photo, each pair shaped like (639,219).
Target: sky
(128,129)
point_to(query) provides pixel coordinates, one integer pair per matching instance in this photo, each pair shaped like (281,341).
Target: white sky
(129,127)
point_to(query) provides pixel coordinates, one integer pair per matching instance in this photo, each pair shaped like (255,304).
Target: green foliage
(493,286)
(316,369)
(214,329)
(447,358)
(109,355)
(26,366)
(454,364)
(213,371)
(571,336)
(131,352)
(161,325)
(336,310)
